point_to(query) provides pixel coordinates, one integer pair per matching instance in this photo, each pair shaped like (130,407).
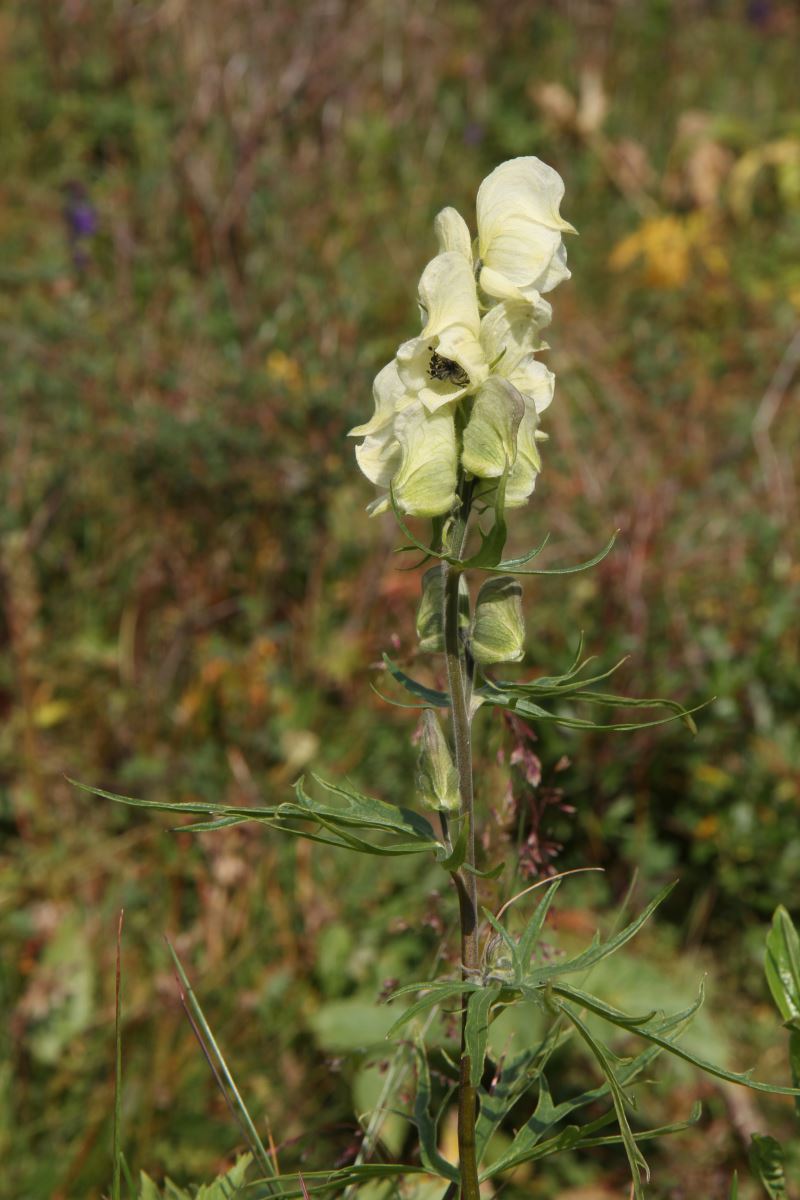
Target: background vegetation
(212,218)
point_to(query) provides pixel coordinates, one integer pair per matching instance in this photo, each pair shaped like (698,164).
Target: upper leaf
(782,966)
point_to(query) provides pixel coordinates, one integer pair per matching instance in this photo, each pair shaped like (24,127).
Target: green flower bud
(498,632)
(437,778)
(430,617)
(490,438)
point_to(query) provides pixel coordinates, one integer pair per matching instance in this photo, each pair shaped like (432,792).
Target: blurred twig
(767,411)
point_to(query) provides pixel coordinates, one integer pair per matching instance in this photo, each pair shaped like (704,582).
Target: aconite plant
(455,440)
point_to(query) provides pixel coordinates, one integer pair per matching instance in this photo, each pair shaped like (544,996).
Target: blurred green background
(213,215)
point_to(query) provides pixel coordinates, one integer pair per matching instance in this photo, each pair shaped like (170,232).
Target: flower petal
(511,330)
(519,229)
(498,633)
(534,381)
(378,456)
(490,438)
(425,484)
(448,296)
(452,233)
(522,477)
(390,396)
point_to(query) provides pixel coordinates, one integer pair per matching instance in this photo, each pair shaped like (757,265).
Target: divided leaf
(766,1161)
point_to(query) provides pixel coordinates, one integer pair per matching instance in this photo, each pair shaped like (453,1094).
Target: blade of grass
(219,1067)
(116,1182)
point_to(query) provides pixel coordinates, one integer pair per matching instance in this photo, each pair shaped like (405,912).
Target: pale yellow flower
(519,230)
(446,361)
(452,233)
(510,334)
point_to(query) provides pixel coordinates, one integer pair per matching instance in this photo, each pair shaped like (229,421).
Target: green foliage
(510,975)
(411,832)
(766,1162)
(224,1187)
(782,967)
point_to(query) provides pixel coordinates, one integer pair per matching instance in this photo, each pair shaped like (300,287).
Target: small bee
(444,368)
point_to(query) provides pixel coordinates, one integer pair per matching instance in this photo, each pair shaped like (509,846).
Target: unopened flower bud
(437,778)
(498,633)
(430,614)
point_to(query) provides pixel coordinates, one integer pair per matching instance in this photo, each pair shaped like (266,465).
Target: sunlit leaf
(476,1029)
(430,1156)
(767,1163)
(782,965)
(636,1161)
(430,695)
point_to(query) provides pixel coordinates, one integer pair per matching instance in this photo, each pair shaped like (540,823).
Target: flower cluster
(468,390)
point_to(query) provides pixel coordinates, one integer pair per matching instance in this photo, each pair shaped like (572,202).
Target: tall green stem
(464,879)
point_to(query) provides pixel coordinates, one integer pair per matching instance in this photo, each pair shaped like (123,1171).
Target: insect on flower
(444,368)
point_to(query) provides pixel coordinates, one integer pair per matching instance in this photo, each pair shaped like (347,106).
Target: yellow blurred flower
(666,248)
(283,369)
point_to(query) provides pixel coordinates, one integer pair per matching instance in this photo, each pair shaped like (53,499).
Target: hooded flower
(415,453)
(446,361)
(502,431)
(510,335)
(519,230)
(498,631)
(437,778)
(464,372)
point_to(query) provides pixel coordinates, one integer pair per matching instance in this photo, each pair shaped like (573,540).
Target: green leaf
(636,1160)
(288,1186)
(492,543)
(490,873)
(782,965)
(558,686)
(453,861)
(353,810)
(598,952)
(429,695)
(734,1195)
(584,566)
(766,1162)
(521,1074)
(221,1071)
(476,1029)
(645,1030)
(642,1135)
(526,708)
(367,812)
(584,1000)
(351,1024)
(533,930)
(429,1154)
(511,564)
(436,993)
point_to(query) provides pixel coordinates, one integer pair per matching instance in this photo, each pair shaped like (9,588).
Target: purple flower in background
(473,133)
(80,218)
(759,13)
